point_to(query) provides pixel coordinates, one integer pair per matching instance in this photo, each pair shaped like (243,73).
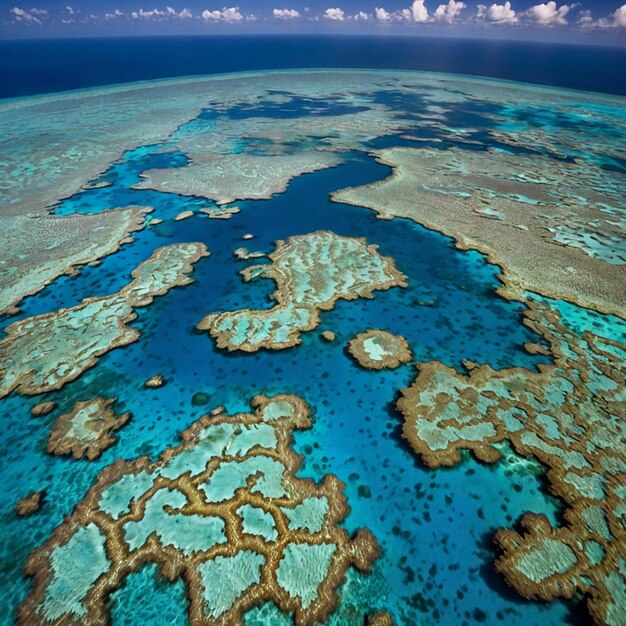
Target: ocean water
(41,66)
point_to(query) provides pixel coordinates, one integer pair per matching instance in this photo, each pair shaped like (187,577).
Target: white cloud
(184,14)
(617,19)
(449,12)
(169,12)
(418,11)
(361,16)
(111,16)
(547,14)
(286,14)
(28,17)
(334,14)
(382,15)
(497,13)
(231,14)
(147,14)
(70,10)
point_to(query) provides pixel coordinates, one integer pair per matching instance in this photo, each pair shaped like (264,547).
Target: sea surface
(30,67)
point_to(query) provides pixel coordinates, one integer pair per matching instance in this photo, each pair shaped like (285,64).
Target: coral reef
(311,273)
(243,254)
(44,352)
(379,349)
(30,504)
(36,249)
(43,408)
(87,430)
(183,215)
(155,382)
(570,417)
(224,213)
(44,162)
(226,178)
(382,618)
(530,204)
(225,506)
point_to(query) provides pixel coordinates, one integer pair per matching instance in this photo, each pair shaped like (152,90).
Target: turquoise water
(434,526)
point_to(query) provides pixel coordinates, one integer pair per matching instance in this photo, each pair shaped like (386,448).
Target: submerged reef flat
(223,511)
(87,430)
(531,205)
(44,352)
(43,162)
(311,273)
(226,178)
(36,249)
(570,417)
(379,349)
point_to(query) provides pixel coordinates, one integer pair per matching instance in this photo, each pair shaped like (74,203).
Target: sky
(587,21)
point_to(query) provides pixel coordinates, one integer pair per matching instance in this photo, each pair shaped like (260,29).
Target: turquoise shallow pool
(434,527)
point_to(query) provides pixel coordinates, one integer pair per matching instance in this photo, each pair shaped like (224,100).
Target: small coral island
(311,273)
(379,349)
(87,430)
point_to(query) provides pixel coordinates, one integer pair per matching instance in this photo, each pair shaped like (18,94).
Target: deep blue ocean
(29,67)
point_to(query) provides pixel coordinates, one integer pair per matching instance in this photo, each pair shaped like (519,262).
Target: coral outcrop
(224,511)
(87,430)
(379,349)
(570,417)
(44,352)
(311,273)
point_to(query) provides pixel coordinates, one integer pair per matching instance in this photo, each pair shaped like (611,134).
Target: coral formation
(243,254)
(311,273)
(43,408)
(382,618)
(531,206)
(183,215)
(29,504)
(87,430)
(570,417)
(230,177)
(225,506)
(155,382)
(379,349)
(224,213)
(36,249)
(44,352)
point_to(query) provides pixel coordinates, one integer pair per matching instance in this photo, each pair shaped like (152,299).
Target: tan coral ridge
(224,505)
(87,430)
(44,352)
(570,417)
(30,504)
(379,349)
(311,272)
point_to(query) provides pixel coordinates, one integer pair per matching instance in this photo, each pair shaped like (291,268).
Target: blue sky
(595,21)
